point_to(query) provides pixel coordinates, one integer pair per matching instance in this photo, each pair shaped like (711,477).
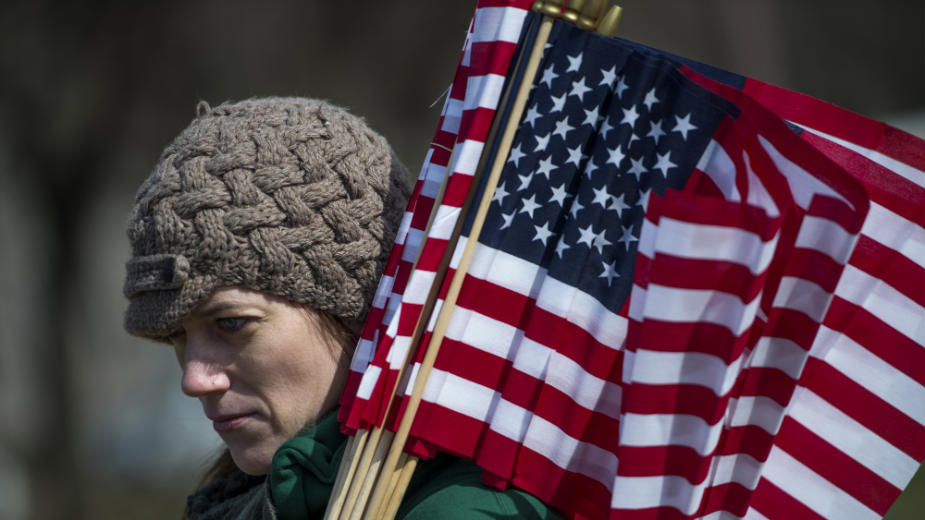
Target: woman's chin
(252,459)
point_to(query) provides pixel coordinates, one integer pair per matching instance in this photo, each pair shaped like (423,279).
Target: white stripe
(815,492)
(383,291)
(751,514)
(419,285)
(444,222)
(395,357)
(492,24)
(412,245)
(720,515)
(717,165)
(759,411)
(719,243)
(869,371)
(804,296)
(453,116)
(852,438)
(693,305)
(803,184)
(365,391)
(658,430)
(466,158)
(647,237)
(532,358)
(900,168)
(740,468)
(660,491)
(780,353)
(694,368)
(480,331)
(637,303)
(569,453)
(758,195)
(895,232)
(510,420)
(362,355)
(827,237)
(483,91)
(883,301)
(585,389)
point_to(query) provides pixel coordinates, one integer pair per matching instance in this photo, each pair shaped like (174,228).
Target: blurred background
(92,421)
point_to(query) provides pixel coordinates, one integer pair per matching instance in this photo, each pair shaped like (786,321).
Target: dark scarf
(238,496)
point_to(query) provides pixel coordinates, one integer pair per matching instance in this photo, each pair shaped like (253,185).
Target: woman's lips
(227,423)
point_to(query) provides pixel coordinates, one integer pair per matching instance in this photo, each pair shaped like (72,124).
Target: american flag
(648,325)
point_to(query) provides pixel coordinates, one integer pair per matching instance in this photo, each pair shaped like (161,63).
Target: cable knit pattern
(291,196)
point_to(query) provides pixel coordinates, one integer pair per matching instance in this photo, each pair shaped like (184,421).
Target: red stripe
(773,502)
(491,58)
(422,212)
(732,497)
(893,268)
(885,342)
(884,186)
(793,325)
(678,398)
(835,466)
(750,440)
(698,336)
(768,382)
(656,461)
(839,122)
(566,490)
(688,273)
(431,254)
(865,407)
(475,124)
(812,265)
(697,209)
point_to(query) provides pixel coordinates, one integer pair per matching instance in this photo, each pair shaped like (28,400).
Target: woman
(257,245)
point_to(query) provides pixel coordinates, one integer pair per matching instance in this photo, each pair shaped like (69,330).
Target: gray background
(92,422)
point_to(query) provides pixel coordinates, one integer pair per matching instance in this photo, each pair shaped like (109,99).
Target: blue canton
(605,127)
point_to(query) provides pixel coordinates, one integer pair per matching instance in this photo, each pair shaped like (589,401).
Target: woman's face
(262,368)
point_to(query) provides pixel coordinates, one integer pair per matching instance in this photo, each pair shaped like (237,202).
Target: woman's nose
(202,373)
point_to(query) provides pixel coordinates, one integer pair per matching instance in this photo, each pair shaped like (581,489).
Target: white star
(589,170)
(558,103)
(609,75)
(664,163)
(605,128)
(508,218)
(600,242)
(655,130)
(548,76)
(627,236)
(561,246)
(542,233)
(574,63)
(545,167)
(601,196)
(616,156)
(576,207)
(587,236)
(591,117)
(618,204)
(562,127)
(524,181)
(558,195)
(621,86)
(532,115)
(633,137)
(500,193)
(574,155)
(651,99)
(579,88)
(541,141)
(530,206)
(610,271)
(516,154)
(637,168)
(630,116)
(684,125)
(643,200)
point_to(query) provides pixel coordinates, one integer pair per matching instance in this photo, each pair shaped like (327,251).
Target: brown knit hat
(294,197)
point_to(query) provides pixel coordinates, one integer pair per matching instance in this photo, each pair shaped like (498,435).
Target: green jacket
(302,476)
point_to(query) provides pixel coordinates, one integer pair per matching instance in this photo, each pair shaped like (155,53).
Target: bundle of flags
(695,295)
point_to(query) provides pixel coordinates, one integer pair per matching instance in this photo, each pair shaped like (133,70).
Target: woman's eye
(231,324)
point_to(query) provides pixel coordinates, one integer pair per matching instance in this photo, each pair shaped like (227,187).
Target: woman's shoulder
(451,488)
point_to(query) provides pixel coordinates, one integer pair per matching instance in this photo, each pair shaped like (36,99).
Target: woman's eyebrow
(211,309)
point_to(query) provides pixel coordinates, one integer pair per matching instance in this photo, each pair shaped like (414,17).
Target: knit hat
(290,196)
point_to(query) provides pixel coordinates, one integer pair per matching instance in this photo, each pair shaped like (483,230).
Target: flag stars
(558,103)
(655,130)
(609,75)
(579,88)
(616,156)
(562,127)
(683,126)
(574,63)
(524,181)
(605,128)
(600,241)
(559,194)
(542,141)
(664,163)
(516,154)
(500,194)
(601,196)
(529,206)
(651,99)
(575,208)
(574,156)
(542,233)
(610,271)
(591,116)
(619,205)
(621,86)
(627,237)
(637,168)
(545,167)
(508,218)
(643,200)
(561,246)
(548,76)
(586,236)
(532,115)
(630,116)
